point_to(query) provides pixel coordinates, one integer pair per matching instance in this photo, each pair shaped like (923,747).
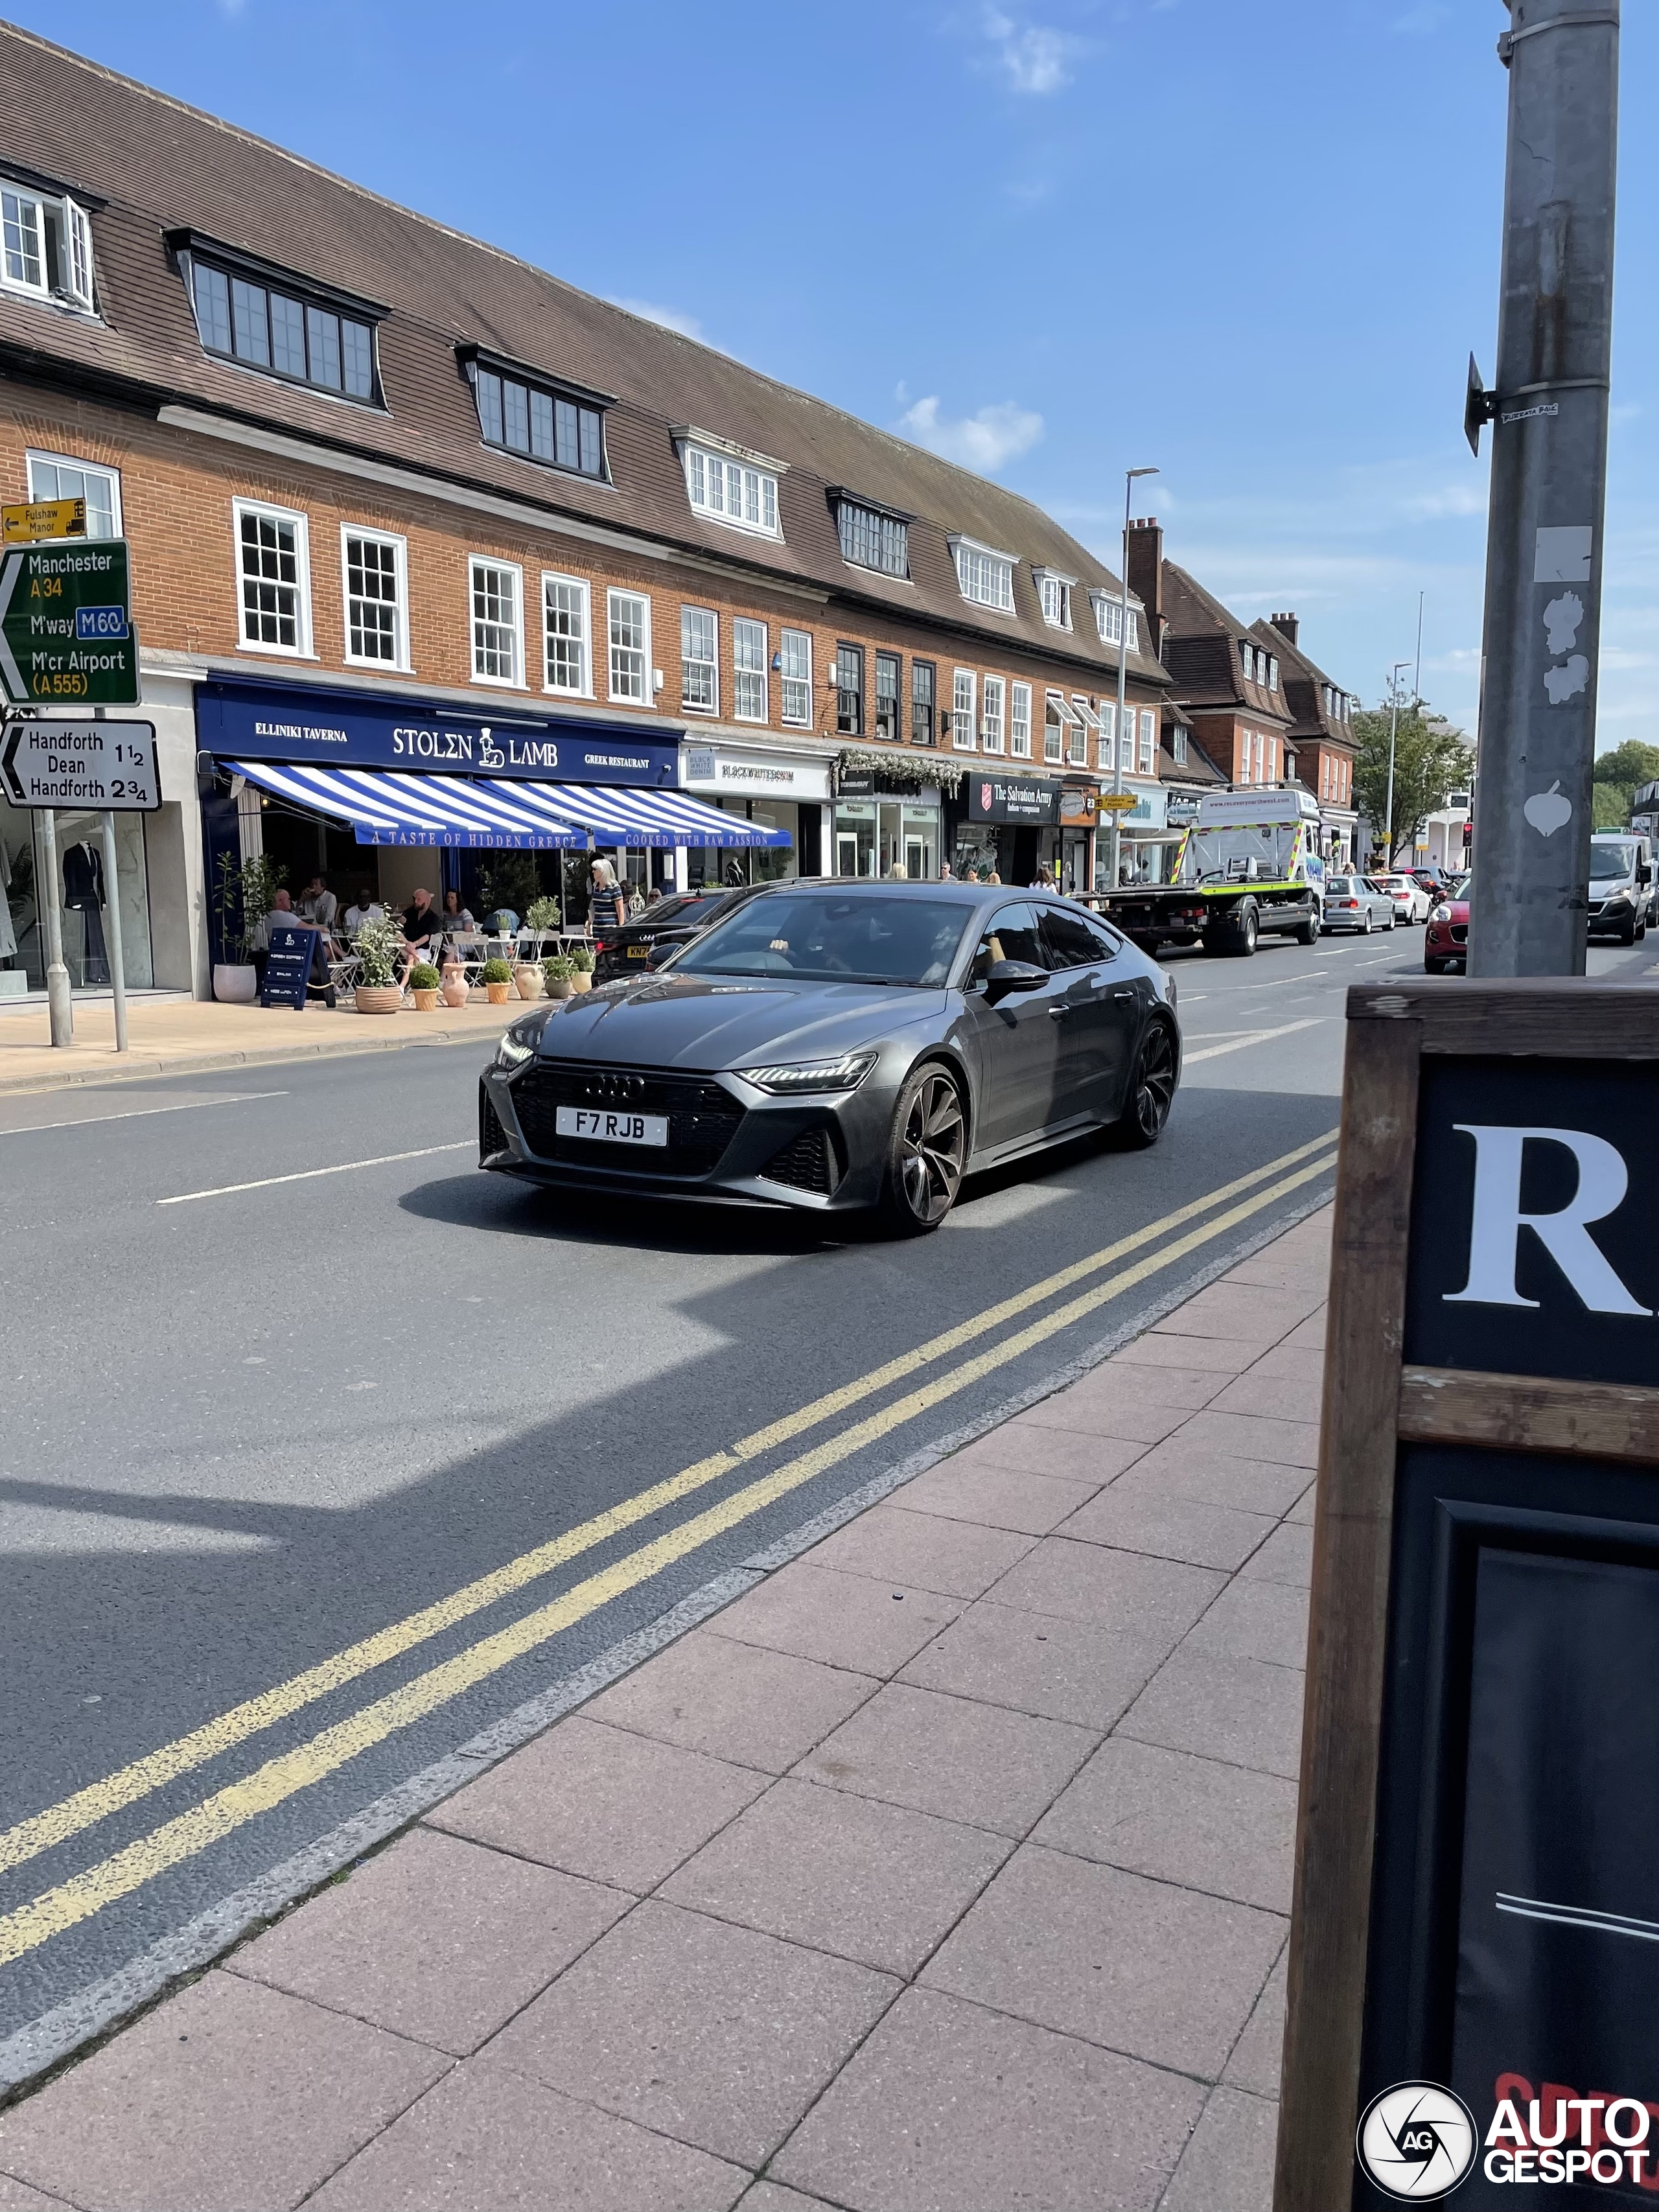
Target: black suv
(676,919)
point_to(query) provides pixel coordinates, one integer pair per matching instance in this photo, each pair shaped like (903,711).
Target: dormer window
(1055,597)
(292,327)
(536,416)
(1109,621)
(873,536)
(1272,671)
(45,244)
(983,574)
(730,484)
(1246,659)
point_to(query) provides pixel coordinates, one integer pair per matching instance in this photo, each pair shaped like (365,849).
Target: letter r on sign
(1497,1219)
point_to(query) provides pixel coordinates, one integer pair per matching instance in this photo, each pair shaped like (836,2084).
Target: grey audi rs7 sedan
(837,1045)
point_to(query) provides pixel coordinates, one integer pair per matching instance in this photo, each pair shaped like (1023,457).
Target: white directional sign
(109,766)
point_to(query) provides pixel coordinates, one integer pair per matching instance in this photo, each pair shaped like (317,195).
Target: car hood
(706,1023)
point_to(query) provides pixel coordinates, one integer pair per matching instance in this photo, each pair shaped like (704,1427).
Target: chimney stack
(1143,556)
(1286,625)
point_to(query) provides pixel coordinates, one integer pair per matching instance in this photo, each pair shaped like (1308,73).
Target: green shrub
(558,968)
(423,976)
(542,914)
(497,971)
(379,947)
(583,960)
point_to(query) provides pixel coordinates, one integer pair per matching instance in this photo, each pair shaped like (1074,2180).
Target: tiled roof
(1305,683)
(1200,651)
(149,164)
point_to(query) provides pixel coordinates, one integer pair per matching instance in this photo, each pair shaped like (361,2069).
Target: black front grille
(703,1116)
(1460,933)
(492,1138)
(808,1163)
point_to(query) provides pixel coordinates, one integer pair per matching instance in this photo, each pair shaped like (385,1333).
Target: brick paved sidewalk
(945,1871)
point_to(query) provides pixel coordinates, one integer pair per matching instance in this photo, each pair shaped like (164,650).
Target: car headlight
(795,1078)
(512,1051)
(1442,913)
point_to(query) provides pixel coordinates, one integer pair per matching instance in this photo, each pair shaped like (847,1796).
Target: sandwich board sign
(287,965)
(1475,1936)
(66,634)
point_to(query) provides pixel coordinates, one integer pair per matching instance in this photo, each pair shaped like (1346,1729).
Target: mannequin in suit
(83,891)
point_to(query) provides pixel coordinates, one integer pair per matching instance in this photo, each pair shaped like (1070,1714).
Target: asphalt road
(286,1373)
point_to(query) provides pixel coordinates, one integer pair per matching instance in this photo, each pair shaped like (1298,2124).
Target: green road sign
(66,628)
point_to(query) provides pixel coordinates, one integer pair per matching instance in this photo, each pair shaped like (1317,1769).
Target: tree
(1431,760)
(1618,774)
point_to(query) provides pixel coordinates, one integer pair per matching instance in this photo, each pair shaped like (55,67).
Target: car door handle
(1124,995)
(1057,1013)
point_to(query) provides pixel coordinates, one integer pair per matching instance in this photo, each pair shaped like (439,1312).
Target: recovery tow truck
(1247,867)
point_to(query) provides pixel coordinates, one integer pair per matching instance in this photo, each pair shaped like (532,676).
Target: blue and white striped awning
(386,806)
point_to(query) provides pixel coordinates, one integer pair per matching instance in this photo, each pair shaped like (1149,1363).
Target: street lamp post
(1129,476)
(1394,724)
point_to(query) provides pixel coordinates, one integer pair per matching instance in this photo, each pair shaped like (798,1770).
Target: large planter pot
(559,987)
(528,982)
(498,993)
(426,1002)
(377,997)
(235,985)
(582,979)
(453,994)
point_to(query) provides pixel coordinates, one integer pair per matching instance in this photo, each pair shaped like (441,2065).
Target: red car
(1446,940)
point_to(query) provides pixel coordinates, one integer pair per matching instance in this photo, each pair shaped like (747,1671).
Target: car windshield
(1611,861)
(1342,886)
(829,937)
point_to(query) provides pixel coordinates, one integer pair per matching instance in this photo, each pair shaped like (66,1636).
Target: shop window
(1020,721)
(850,690)
(564,429)
(699,665)
(887,696)
(375,622)
(276,328)
(924,702)
(795,669)
(749,670)
(51,476)
(45,246)
(274,571)
(565,633)
(961,710)
(497,628)
(990,725)
(630,646)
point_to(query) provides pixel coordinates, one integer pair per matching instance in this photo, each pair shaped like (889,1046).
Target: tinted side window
(1071,939)
(1011,935)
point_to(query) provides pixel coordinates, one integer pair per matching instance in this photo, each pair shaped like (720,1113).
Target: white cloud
(1034,57)
(672,318)
(981,441)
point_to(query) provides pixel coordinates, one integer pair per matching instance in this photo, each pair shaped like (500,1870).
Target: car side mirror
(1004,976)
(1643,872)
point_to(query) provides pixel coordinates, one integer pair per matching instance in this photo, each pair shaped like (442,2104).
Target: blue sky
(1251,241)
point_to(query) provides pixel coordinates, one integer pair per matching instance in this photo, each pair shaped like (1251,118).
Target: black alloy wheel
(1152,1092)
(926,1152)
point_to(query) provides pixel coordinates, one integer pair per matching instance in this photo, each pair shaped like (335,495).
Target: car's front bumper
(727,1141)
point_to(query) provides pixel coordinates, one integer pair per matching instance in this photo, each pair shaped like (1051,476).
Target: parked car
(1352,903)
(626,948)
(1411,902)
(1446,940)
(835,1046)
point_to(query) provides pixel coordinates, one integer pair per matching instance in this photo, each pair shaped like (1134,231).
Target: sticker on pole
(1416,2142)
(110,767)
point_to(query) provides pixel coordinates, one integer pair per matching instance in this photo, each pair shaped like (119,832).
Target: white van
(1621,894)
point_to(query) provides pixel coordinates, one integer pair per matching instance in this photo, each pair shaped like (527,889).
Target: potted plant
(560,970)
(452,988)
(542,917)
(241,896)
(379,947)
(581,962)
(423,987)
(497,982)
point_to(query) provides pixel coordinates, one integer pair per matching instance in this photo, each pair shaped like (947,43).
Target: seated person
(455,915)
(282,915)
(364,908)
(319,904)
(424,928)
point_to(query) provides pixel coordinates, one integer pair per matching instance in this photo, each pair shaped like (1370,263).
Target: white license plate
(608,1129)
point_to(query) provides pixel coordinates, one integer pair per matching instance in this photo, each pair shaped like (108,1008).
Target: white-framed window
(45,246)
(497,593)
(566,634)
(1055,597)
(1109,621)
(1076,734)
(991,721)
(1246,659)
(373,565)
(1108,734)
(1178,745)
(741,492)
(628,615)
(1126,741)
(273,573)
(984,575)
(1020,721)
(795,670)
(748,670)
(1272,671)
(1053,729)
(1148,740)
(55,475)
(699,681)
(961,710)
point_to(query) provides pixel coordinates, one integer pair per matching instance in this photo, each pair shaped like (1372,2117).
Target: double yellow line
(281,1777)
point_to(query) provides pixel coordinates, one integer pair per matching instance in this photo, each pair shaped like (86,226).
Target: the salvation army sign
(1477,1910)
(1017,798)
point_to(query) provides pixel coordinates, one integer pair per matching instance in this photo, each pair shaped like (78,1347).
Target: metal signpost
(1477,1890)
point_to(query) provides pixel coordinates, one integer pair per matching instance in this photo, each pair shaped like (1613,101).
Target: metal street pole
(112,944)
(1394,724)
(60,1013)
(1548,488)
(1129,476)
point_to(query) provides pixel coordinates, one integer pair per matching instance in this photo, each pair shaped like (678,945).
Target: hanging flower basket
(903,765)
